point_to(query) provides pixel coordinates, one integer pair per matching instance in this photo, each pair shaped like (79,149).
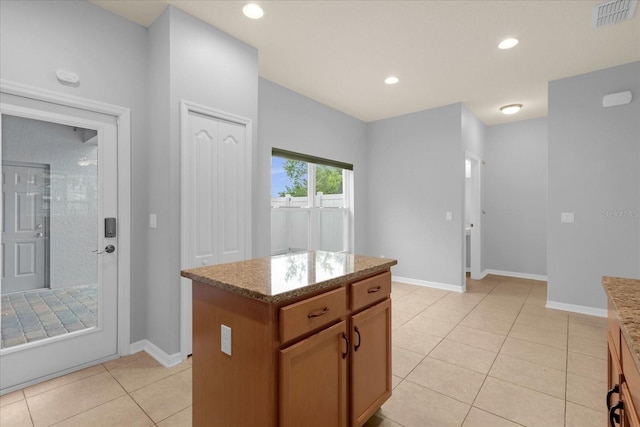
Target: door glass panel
(49,230)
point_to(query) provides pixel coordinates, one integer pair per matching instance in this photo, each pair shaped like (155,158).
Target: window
(311,204)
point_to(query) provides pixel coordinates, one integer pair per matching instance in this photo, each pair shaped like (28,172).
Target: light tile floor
(494,356)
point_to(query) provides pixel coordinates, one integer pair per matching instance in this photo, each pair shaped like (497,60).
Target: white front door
(74,323)
(25,215)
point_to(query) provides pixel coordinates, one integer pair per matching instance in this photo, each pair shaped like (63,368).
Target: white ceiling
(339,52)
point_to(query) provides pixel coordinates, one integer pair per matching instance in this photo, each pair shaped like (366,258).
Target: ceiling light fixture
(508,43)
(510,109)
(391,80)
(253,11)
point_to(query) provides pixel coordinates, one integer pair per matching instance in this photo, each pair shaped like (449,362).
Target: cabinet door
(629,413)
(615,373)
(313,380)
(370,361)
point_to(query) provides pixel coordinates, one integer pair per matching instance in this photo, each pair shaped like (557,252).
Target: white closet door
(203,191)
(215,194)
(232,186)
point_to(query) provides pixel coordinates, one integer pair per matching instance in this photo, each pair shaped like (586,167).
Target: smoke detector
(612,12)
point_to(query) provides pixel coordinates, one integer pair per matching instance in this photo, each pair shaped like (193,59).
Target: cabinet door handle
(374,290)
(615,389)
(357,346)
(613,417)
(318,313)
(344,336)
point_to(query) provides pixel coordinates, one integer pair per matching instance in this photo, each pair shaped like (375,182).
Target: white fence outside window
(295,226)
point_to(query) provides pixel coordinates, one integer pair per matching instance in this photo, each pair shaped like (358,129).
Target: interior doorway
(473,217)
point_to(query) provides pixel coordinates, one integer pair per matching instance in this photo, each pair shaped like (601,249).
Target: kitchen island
(623,337)
(293,340)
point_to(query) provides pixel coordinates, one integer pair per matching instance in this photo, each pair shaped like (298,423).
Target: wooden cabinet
(317,360)
(370,361)
(623,397)
(313,380)
(310,370)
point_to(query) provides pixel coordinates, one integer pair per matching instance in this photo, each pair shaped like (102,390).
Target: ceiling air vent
(612,12)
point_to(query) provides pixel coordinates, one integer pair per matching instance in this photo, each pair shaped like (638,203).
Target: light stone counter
(279,278)
(625,296)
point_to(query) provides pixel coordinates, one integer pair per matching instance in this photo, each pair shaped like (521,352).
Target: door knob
(38,235)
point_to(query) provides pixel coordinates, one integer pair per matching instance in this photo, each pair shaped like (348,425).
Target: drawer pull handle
(615,389)
(374,290)
(318,313)
(613,417)
(344,337)
(357,346)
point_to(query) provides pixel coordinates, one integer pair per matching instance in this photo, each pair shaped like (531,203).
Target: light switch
(153,221)
(225,339)
(449,216)
(567,217)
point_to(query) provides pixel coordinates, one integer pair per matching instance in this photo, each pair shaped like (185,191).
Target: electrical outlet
(153,221)
(225,339)
(449,216)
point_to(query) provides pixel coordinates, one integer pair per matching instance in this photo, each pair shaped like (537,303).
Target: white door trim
(476,217)
(187,107)
(123,120)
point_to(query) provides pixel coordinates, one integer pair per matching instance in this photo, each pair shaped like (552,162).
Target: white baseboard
(425,283)
(166,360)
(592,311)
(515,274)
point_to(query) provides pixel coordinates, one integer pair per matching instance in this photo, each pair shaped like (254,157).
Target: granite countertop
(282,277)
(625,297)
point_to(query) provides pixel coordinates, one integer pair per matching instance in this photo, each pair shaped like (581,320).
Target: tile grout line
(494,361)
(131,397)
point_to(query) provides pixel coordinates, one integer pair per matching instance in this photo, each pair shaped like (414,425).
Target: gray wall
(593,172)
(293,122)
(118,63)
(515,197)
(190,61)
(110,56)
(416,164)
(473,133)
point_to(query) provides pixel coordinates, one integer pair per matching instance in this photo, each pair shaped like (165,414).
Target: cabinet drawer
(370,290)
(305,316)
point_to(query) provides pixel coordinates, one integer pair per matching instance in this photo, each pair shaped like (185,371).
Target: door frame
(123,125)
(187,107)
(476,218)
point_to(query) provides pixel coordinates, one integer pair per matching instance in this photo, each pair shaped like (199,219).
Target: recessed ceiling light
(508,43)
(253,11)
(510,109)
(391,80)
